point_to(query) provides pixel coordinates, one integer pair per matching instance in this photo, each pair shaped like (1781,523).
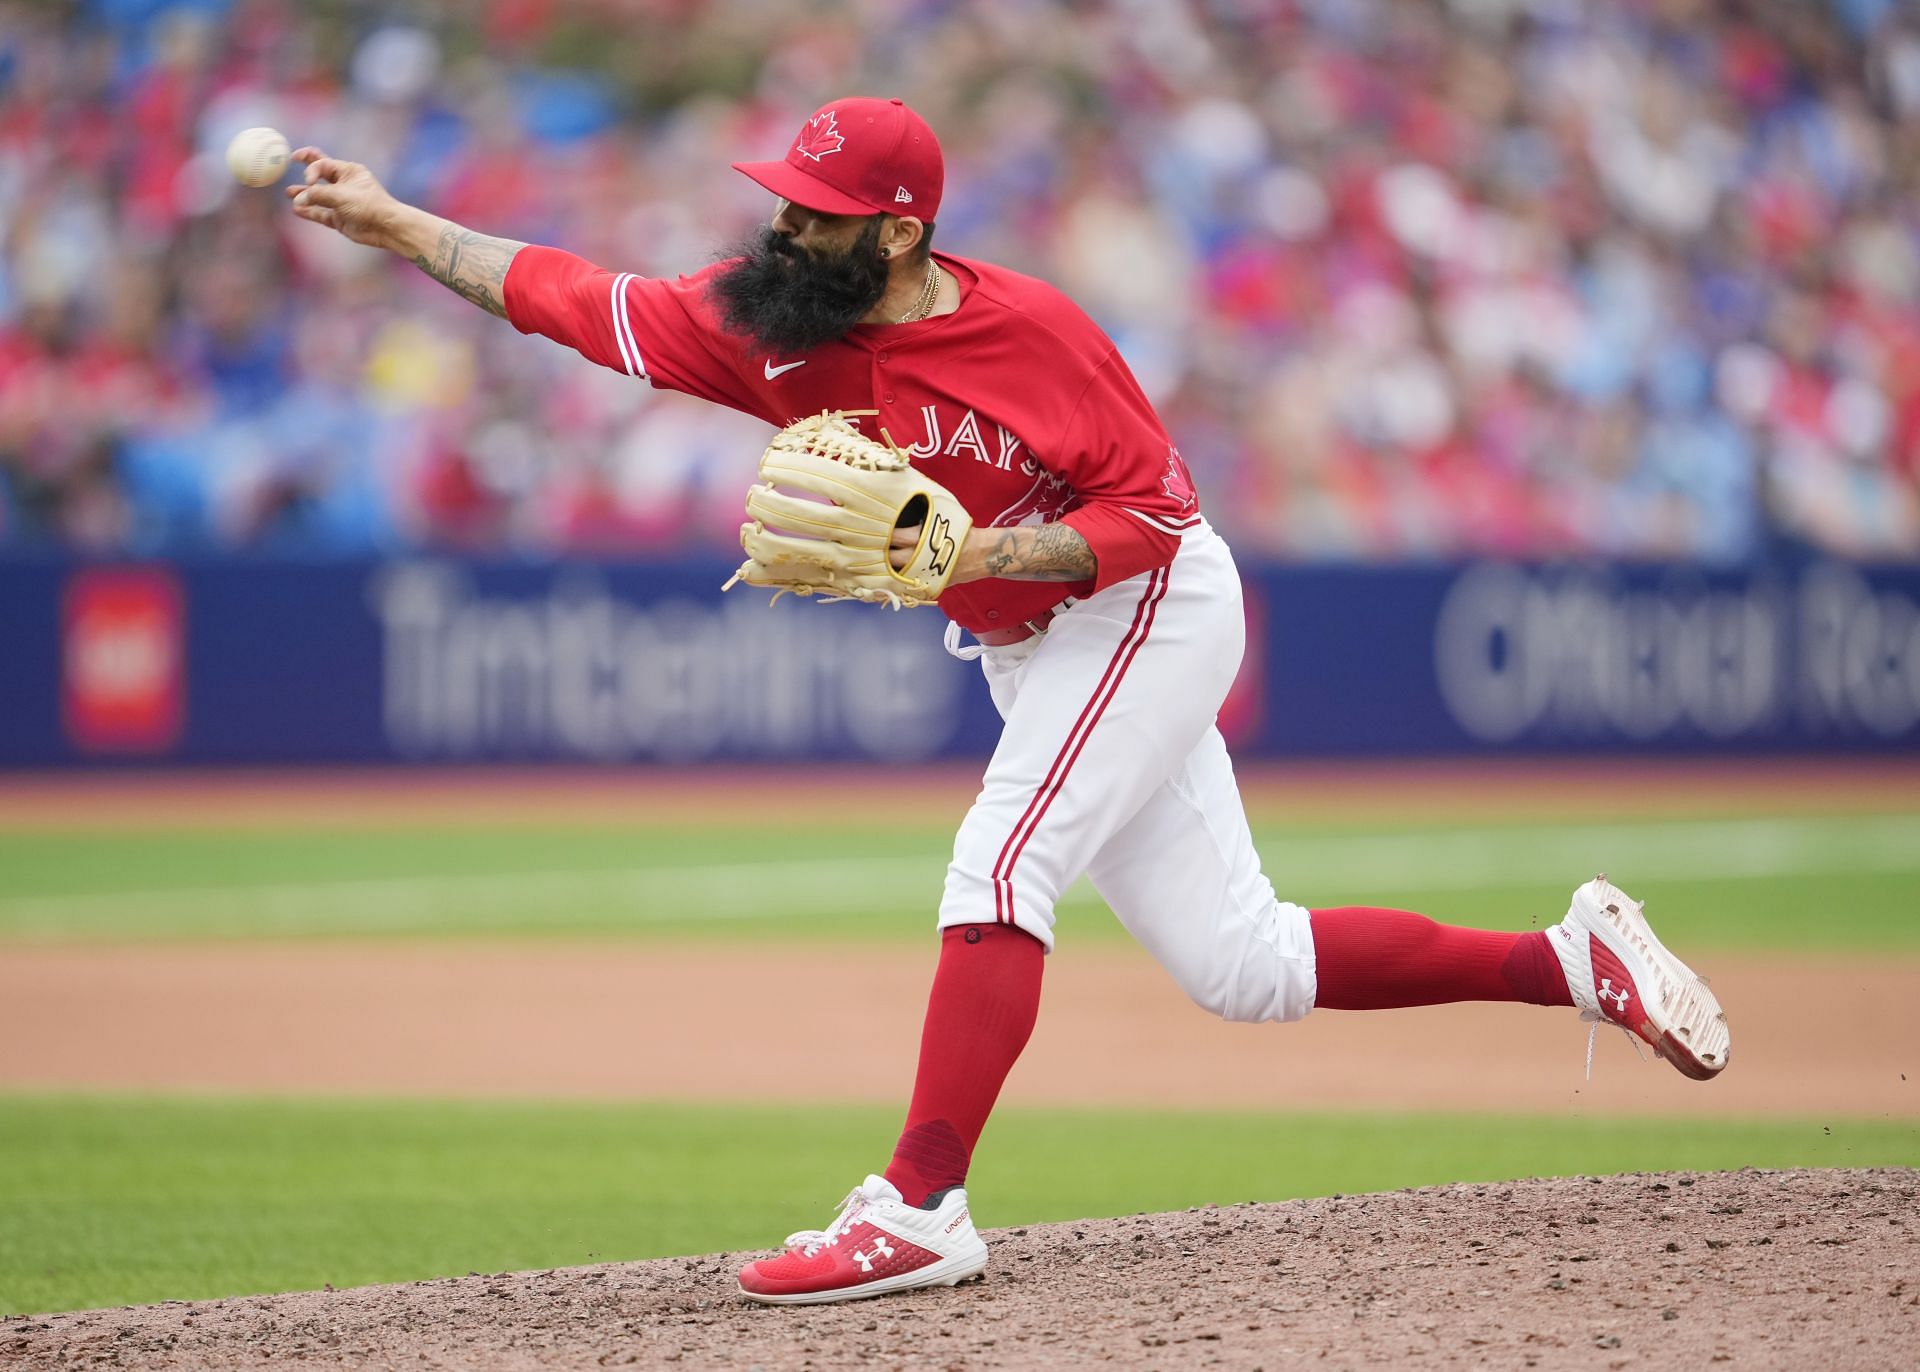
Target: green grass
(1838,882)
(107,1201)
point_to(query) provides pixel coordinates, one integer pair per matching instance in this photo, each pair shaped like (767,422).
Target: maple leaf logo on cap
(820,137)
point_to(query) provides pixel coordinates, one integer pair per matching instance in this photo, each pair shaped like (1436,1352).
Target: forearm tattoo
(472,266)
(1052,552)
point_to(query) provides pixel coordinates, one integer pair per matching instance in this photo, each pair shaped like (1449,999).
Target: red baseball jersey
(1016,402)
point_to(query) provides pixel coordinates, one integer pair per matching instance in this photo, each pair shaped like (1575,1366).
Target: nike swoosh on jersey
(773,371)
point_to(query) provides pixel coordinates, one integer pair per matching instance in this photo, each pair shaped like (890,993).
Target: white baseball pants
(1110,765)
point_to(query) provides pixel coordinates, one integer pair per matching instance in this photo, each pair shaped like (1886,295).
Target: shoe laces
(811,1241)
(1595,1019)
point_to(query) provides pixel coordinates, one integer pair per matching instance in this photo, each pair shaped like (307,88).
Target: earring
(886,252)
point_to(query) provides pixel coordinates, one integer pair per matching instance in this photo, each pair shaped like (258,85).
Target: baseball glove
(822,517)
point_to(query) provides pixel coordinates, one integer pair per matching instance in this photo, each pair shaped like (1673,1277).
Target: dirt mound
(1755,1269)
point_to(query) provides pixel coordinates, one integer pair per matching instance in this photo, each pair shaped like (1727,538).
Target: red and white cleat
(876,1244)
(1619,973)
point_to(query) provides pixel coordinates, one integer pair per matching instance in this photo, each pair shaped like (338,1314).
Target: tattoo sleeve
(1051,552)
(472,266)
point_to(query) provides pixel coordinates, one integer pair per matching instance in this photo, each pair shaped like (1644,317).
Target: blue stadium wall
(446,661)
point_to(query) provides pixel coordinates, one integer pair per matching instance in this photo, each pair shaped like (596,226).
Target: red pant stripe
(1131,652)
(1002,867)
(1075,742)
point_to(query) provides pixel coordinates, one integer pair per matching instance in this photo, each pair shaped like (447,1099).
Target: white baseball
(258,157)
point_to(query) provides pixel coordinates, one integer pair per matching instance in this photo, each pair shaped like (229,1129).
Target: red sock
(1371,959)
(985,998)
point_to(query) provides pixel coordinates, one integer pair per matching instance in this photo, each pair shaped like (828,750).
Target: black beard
(789,301)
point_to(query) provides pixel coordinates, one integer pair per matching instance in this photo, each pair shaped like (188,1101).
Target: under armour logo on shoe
(881,1249)
(1619,998)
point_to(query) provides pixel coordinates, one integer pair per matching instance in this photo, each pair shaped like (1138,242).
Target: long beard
(787,300)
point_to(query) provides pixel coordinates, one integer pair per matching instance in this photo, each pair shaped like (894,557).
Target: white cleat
(875,1245)
(1619,973)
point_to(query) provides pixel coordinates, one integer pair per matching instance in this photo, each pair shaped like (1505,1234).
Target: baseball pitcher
(956,433)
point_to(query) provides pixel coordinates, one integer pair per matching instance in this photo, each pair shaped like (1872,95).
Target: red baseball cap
(859,156)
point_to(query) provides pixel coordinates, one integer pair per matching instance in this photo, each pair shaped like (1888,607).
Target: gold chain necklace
(928,294)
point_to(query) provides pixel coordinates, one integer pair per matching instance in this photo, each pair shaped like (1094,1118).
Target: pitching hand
(344,196)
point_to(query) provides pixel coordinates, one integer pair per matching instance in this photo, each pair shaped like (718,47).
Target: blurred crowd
(1407,278)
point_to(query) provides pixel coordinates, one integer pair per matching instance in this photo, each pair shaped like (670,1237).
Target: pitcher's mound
(1751,1269)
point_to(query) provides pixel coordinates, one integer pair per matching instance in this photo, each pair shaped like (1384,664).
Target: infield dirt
(1752,1270)
(610,1021)
(1383,791)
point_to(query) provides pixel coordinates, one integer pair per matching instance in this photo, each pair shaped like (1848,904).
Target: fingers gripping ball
(258,157)
(822,518)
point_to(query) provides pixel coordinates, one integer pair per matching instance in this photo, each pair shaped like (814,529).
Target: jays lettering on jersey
(1016,402)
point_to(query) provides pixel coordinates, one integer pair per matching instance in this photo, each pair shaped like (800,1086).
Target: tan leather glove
(823,515)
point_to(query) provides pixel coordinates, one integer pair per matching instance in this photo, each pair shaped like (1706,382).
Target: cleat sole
(1684,1021)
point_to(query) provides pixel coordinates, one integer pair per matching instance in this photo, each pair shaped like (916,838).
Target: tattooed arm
(471,265)
(1044,552)
(347,197)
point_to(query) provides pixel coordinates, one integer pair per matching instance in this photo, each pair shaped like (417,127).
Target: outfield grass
(1834,882)
(113,1201)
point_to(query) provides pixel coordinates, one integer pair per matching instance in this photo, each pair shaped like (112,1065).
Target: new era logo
(903,196)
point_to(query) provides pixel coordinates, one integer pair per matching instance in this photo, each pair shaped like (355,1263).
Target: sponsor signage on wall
(448,661)
(122,660)
(1575,655)
(573,670)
